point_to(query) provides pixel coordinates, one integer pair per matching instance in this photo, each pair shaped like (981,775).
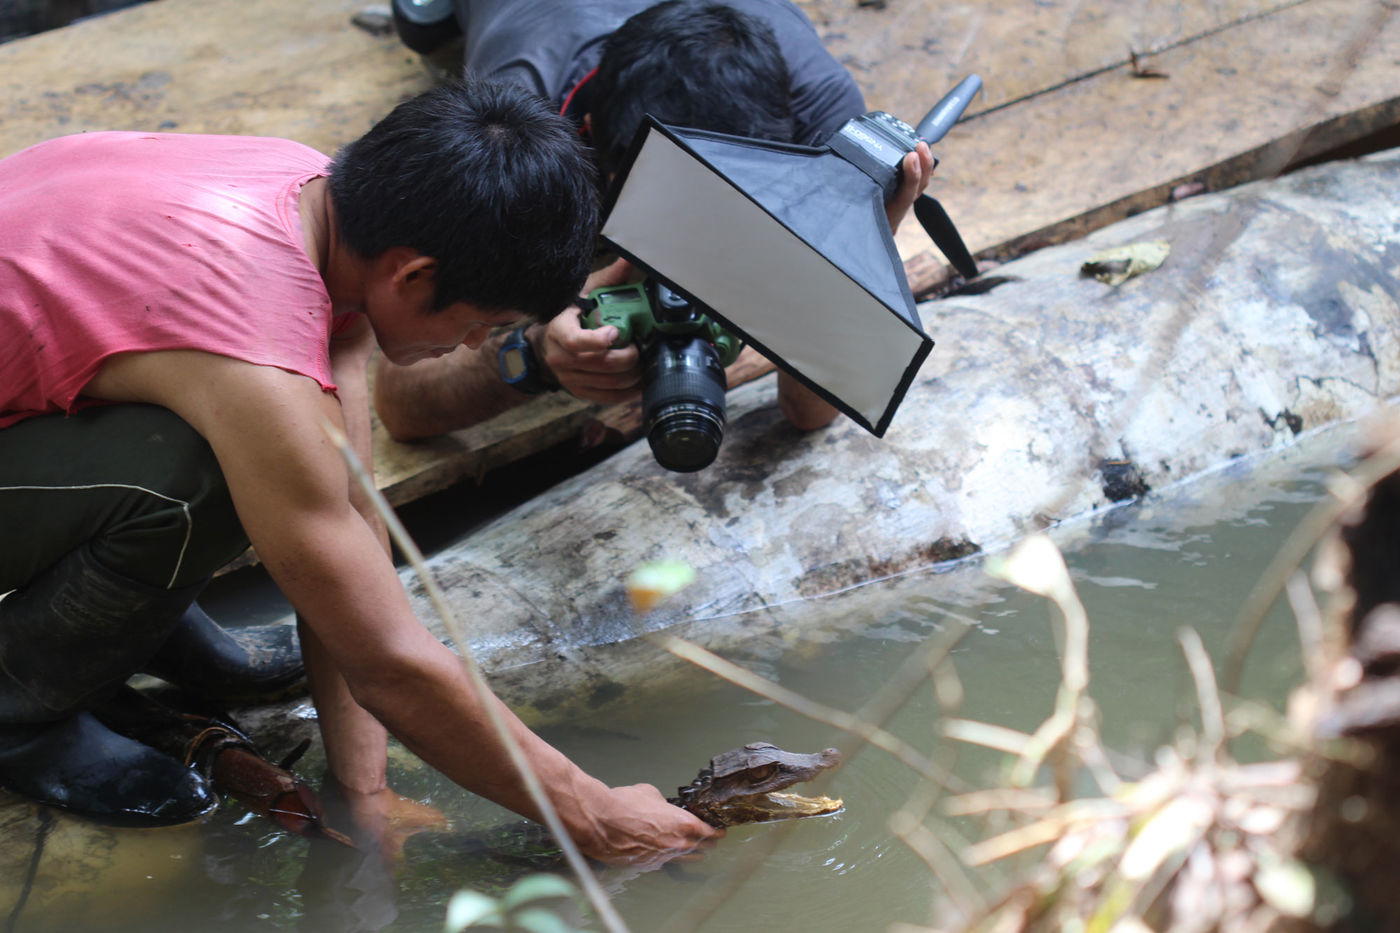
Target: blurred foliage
(536,904)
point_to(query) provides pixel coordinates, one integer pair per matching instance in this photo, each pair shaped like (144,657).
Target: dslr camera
(683,355)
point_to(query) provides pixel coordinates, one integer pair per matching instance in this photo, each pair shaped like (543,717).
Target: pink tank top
(120,242)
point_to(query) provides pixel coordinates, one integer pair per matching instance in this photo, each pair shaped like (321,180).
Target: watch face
(512,363)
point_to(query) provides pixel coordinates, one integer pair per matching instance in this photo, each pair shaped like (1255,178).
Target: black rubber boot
(204,659)
(79,765)
(75,634)
(70,638)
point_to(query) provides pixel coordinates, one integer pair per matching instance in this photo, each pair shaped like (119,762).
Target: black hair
(483,177)
(687,63)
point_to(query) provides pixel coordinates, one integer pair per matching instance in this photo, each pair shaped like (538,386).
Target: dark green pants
(135,482)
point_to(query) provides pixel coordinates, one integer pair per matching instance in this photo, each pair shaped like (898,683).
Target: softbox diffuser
(788,246)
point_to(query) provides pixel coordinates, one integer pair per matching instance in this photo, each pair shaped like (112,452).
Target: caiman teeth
(783,804)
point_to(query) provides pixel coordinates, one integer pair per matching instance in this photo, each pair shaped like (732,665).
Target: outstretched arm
(355,740)
(292,491)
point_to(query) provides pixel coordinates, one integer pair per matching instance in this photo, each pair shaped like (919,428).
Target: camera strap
(939,226)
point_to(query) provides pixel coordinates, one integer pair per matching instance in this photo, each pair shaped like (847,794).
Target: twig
(1037,566)
(1310,637)
(1000,798)
(1212,715)
(908,824)
(1046,829)
(987,735)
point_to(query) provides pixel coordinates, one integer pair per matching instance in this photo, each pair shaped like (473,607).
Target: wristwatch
(519,368)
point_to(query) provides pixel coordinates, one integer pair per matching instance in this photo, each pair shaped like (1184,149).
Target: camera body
(683,355)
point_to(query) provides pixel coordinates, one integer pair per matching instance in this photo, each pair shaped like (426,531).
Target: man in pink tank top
(180,318)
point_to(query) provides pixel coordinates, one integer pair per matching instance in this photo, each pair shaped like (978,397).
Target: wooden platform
(1091,111)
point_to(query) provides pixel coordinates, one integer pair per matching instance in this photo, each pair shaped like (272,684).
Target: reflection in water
(1186,557)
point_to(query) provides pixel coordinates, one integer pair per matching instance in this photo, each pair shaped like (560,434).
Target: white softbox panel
(790,248)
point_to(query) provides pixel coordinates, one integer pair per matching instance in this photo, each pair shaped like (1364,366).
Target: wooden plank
(405,472)
(907,55)
(255,67)
(1235,105)
(301,70)
(1245,94)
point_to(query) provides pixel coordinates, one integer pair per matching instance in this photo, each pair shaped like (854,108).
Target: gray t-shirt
(550,46)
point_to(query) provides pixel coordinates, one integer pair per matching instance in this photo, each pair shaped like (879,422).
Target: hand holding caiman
(743,785)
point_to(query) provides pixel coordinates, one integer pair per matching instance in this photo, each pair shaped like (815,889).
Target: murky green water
(1185,557)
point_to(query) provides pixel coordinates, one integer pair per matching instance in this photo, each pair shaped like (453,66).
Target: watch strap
(518,366)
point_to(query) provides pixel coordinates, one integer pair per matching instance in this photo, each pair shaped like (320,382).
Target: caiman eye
(759,775)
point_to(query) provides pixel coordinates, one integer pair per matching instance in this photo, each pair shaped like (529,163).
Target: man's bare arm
(436,396)
(292,492)
(355,740)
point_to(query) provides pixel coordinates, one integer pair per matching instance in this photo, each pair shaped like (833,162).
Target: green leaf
(538,887)
(1287,886)
(470,908)
(539,920)
(1115,266)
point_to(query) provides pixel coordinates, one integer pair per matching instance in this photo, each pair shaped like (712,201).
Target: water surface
(1184,557)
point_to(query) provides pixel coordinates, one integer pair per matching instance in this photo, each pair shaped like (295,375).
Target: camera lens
(683,403)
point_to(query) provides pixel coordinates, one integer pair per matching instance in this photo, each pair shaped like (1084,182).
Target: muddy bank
(1048,395)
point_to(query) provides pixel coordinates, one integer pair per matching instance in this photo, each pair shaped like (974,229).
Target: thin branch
(1310,627)
(1207,697)
(987,735)
(1047,829)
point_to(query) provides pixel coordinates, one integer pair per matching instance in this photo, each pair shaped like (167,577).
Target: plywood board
(1235,105)
(254,67)
(906,55)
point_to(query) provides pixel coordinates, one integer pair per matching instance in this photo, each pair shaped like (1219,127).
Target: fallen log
(1048,395)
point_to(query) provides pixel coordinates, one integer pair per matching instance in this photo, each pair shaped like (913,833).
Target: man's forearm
(804,408)
(356,743)
(436,396)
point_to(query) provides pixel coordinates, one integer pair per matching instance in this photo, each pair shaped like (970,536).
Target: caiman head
(743,785)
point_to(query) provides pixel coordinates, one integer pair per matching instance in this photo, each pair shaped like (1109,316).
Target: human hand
(635,826)
(583,361)
(917,169)
(385,820)
(803,408)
